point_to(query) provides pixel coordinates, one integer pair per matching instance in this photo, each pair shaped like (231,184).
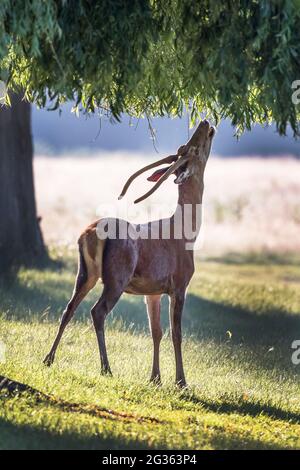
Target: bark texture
(20,235)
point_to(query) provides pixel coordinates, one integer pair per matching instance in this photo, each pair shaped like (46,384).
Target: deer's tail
(90,256)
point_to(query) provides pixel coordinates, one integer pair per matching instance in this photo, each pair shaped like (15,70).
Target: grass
(240,319)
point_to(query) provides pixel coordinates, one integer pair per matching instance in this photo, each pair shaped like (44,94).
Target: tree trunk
(20,235)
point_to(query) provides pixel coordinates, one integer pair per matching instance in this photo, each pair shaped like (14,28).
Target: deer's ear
(157,174)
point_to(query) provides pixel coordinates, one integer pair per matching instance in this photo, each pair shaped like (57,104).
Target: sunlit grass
(239,322)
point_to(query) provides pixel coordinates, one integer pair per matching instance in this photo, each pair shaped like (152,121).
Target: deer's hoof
(155,380)
(48,361)
(181,384)
(106,371)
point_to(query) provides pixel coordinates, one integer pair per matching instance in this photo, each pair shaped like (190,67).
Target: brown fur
(150,267)
(92,249)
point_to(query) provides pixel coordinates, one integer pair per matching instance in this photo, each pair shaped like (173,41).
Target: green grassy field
(241,316)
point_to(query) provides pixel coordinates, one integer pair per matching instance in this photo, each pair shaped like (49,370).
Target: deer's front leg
(176,308)
(153,310)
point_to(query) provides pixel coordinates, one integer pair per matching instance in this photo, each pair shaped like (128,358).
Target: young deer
(145,265)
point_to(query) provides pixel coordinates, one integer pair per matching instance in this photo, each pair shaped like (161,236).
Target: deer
(143,265)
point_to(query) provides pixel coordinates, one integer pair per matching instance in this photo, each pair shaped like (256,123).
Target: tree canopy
(233,58)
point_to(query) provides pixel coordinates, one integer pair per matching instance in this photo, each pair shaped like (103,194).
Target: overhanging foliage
(233,58)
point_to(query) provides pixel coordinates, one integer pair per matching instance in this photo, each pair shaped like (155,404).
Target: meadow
(241,316)
(251,205)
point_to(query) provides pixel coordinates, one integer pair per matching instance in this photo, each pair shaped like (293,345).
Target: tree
(234,58)
(20,235)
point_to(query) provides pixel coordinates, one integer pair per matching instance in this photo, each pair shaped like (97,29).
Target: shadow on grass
(214,320)
(260,259)
(42,263)
(13,388)
(25,436)
(203,318)
(268,334)
(244,407)
(237,442)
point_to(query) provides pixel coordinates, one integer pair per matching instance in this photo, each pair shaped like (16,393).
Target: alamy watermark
(184,224)
(296,94)
(3,92)
(296,354)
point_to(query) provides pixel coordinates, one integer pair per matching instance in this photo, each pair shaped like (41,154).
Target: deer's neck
(190,192)
(189,205)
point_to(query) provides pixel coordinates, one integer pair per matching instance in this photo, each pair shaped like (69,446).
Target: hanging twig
(152,133)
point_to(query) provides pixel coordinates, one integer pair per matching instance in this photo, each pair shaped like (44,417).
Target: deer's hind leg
(118,267)
(153,310)
(88,274)
(99,312)
(176,308)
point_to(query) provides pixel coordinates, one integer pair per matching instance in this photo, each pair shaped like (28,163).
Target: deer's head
(189,161)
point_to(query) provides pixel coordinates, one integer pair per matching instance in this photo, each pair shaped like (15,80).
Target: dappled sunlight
(241,314)
(243,388)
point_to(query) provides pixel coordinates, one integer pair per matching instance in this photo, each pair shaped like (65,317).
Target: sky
(56,133)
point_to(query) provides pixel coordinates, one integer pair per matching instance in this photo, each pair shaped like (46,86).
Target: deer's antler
(169,159)
(170,170)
